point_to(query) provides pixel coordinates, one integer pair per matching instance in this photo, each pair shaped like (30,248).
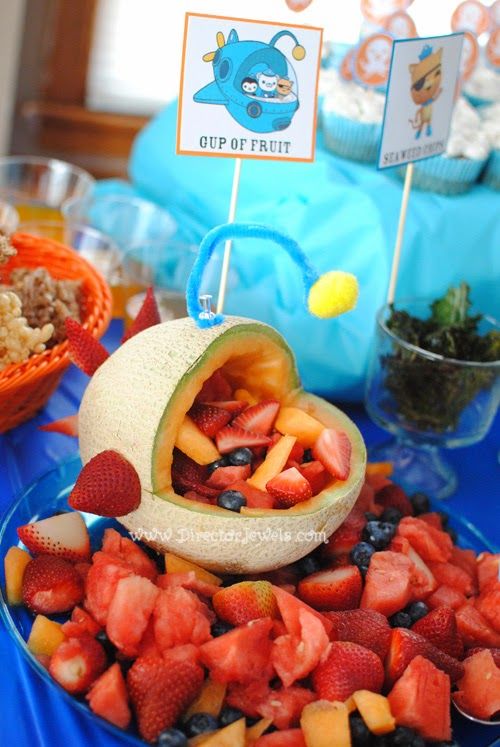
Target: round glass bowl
(427,401)
(9,218)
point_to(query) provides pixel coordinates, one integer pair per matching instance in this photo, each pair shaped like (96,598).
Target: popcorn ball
(17,340)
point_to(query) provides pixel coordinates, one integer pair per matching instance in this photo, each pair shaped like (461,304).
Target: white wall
(11,27)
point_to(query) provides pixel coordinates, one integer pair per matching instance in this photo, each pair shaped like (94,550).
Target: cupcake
(467,151)
(491,126)
(351,117)
(483,86)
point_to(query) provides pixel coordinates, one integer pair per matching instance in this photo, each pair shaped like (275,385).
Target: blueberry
(240,457)
(444,518)
(360,734)
(172,738)
(452,533)
(420,503)
(306,566)
(108,647)
(400,620)
(417,610)
(233,500)
(199,723)
(370,517)
(308,456)
(417,741)
(391,515)
(361,554)
(219,627)
(402,737)
(223,462)
(378,534)
(228,715)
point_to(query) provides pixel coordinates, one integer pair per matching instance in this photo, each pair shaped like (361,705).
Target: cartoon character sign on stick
(426,76)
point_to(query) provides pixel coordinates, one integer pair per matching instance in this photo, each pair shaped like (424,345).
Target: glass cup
(37,186)
(9,218)
(427,401)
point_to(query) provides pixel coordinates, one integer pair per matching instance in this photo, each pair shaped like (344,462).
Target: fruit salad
(365,641)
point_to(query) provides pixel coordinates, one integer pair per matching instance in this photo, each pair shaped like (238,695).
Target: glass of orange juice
(9,218)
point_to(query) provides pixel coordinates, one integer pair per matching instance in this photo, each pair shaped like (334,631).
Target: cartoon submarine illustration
(254,81)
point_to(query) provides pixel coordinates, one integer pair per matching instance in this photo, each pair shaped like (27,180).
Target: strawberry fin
(147,317)
(84,350)
(108,485)
(67,426)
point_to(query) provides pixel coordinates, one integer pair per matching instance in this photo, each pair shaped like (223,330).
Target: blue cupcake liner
(348,138)
(491,173)
(477,101)
(446,176)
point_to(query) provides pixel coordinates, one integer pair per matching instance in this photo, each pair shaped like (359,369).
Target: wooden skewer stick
(400,234)
(227,246)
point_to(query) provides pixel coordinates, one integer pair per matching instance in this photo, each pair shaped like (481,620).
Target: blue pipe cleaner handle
(237,231)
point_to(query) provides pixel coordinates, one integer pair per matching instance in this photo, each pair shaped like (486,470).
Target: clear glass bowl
(9,218)
(427,402)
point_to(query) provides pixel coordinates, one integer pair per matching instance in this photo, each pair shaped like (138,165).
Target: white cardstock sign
(420,99)
(248,89)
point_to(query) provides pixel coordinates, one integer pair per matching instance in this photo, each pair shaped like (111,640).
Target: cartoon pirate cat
(426,76)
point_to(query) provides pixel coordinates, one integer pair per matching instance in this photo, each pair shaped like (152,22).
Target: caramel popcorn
(17,339)
(6,249)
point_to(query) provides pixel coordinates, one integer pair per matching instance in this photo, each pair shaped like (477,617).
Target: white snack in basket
(17,340)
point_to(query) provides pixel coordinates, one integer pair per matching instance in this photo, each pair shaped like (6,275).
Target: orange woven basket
(26,387)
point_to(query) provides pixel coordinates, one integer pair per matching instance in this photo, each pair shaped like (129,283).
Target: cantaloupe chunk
(200,738)
(256,731)
(195,444)
(350,705)
(175,564)
(294,422)
(45,637)
(230,736)
(209,700)
(375,711)
(274,462)
(379,468)
(243,395)
(15,562)
(325,723)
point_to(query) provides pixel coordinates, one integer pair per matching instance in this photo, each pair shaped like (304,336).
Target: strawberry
(440,628)
(333,450)
(77,662)
(248,600)
(365,627)
(445,596)
(289,488)
(129,612)
(393,496)
(242,655)
(366,501)
(81,624)
(108,697)
(64,535)
(147,317)
(222,477)
(488,605)
(187,475)
(67,426)
(234,406)
(405,645)
(84,350)
(230,438)
(160,692)
(475,629)
(108,485)
(388,583)
(346,536)
(315,474)
(51,585)
(214,389)
(297,453)
(259,418)
(338,589)
(495,652)
(347,668)
(255,498)
(209,419)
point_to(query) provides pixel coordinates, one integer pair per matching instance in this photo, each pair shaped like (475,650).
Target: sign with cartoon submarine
(248,89)
(420,99)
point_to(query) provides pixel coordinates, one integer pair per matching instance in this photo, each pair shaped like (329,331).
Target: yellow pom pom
(333,293)
(298,52)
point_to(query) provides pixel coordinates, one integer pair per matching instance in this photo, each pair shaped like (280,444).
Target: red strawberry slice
(108,697)
(108,485)
(289,488)
(51,585)
(64,535)
(347,668)
(405,645)
(338,589)
(475,629)
(242,655)
(222,477)
(388,583)
(160,692)
(215,388)
(316,475)
(84,350)
(188,476)
(259,418)
(255,498)
(392,496)
(297,453)
(366,501)
(77,663)
(333,450)
(232,437)
(209,419)
(234,406)
(346,536)
(147,317)
(129,612)
(114,546)
(81,624)
(365,627)
(248,600)
(440,628)
(67,426)
(445,596)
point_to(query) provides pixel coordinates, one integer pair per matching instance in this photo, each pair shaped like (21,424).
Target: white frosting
(350,100)
(491,124)
(467,137)
(484,83)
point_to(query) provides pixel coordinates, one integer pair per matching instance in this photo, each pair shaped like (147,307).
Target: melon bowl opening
(135,404)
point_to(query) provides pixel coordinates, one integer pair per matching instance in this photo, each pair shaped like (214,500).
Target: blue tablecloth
(34,715)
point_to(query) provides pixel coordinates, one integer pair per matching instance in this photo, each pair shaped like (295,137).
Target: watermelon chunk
(474,629)
(108,697)
(100,584)
(290,608)
(129,612)
(479,689)
(294,657)
(388,583)
(180,618)
(488,569)
(445,596)
(286,738)
(452,576)
(242,655)
(122,548)
(488,605)
(430,543)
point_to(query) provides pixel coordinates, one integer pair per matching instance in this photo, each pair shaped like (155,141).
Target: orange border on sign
(180,152)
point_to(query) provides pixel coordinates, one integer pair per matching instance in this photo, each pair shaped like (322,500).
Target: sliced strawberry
(233,437)
(347,668)
(77,663)
(445,596)
(365,627)
(245,601)
(81,624)
(215,389)
(259,418)
(475,629)
(180,618)
(64,535)
(108,485)
(333,450)
(51,585)
(297,453)
(315,474)
(67,426)
(242,655)
(222,477)
(129,612)
(366,501)
(148,316)
(338,589)
(405,645)
(108,697)
(209,419)
(187,475)
(234,406)
(289,488)
(294,656)
(388,583)
(346,536)
(440,628)
(84,350)
(393,496)
(123,548)
(255,498)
